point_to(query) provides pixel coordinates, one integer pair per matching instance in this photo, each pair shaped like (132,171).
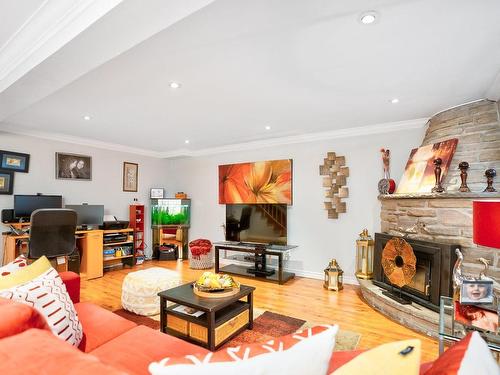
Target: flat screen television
(24,205)
(88,214)
(257,223)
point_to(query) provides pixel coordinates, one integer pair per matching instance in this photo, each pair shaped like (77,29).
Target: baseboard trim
(351,280)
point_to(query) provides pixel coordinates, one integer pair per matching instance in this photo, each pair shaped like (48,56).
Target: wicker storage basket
(199,260)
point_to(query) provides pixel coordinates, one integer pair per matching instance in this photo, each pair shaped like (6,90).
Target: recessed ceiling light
(368,18)
(175,85)
(86,117)
(186,141)
(395,101)
(267,127)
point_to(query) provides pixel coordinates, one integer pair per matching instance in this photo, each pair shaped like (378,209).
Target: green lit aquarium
(170,211)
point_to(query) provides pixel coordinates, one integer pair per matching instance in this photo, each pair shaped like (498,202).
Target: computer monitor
(24,205)
(88,214)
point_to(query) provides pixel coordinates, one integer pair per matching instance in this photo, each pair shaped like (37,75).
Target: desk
(90,242)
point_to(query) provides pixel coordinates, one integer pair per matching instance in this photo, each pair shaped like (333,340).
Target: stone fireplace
(445,218)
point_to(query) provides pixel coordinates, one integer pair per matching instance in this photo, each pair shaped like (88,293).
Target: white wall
(105,187)
(319,238)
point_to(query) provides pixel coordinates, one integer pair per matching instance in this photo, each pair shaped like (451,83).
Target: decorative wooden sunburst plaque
(335,183)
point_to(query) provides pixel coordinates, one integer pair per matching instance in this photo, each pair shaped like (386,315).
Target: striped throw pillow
(47,294)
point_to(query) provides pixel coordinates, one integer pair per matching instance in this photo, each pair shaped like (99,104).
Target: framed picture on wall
(130,176)
(14,161)
(73,167)
(6,182)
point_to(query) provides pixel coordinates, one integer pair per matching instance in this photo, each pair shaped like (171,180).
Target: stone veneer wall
(446,220)
(447,217)
(477,127)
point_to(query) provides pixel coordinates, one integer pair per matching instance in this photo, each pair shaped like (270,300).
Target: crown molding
(79,141)
(183,153)
(50,27)
(303,138)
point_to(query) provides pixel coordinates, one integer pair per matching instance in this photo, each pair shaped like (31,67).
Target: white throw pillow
(309,356)
(47,293)
(17,264)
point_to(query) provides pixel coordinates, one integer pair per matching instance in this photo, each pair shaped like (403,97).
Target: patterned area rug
(266,325)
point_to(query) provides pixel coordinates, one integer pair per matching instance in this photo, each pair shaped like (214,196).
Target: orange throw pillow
(17,317)
(470,355)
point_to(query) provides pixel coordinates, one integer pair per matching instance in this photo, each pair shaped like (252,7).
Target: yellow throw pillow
(26,274)
(386,359)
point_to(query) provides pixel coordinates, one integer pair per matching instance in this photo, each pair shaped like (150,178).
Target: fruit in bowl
(210,281)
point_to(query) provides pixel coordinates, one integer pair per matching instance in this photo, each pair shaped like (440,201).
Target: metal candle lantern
(333,276)
(364,255)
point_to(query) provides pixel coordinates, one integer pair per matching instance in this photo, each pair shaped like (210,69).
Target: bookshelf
(137,219)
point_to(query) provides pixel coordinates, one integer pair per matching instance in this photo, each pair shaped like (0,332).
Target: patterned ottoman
(140,289)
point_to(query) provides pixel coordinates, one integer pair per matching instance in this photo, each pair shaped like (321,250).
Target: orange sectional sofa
(111,344)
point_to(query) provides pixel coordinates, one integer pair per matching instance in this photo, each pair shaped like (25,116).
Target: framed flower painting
(257,182)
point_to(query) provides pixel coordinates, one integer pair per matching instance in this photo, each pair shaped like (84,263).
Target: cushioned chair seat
(140,289)
(136,349)
(37,351)
(99,325)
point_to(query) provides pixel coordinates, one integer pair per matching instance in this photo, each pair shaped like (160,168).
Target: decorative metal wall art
(335,182)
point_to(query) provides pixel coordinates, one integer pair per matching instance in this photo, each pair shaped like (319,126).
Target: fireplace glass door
(421,283)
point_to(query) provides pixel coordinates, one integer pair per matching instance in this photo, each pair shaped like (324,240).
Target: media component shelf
(259,252)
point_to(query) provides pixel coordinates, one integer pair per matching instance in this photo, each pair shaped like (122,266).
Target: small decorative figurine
(490,174)
(438,188)
(463,166)
(386,185)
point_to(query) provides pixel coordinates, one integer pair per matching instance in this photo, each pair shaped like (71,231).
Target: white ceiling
(301,67)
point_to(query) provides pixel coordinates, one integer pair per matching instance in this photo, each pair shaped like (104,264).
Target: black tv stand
(264,272)
(260,269)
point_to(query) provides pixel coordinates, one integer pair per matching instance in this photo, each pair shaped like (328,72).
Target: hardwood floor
(301,298)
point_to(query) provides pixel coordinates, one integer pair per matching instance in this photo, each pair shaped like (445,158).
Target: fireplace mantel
(445,195)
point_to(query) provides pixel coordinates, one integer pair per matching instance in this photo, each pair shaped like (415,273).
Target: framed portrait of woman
(130,176)
(73,167)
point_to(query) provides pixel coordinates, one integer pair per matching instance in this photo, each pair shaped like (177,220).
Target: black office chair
(52,233)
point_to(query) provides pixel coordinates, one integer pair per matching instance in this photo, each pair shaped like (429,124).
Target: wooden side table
(222,318)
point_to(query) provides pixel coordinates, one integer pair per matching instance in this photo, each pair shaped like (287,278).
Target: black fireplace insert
(433,276)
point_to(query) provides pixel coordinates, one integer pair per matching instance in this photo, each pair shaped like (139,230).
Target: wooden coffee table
(222,318)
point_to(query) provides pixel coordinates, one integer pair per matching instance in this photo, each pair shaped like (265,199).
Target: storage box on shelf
(137,218)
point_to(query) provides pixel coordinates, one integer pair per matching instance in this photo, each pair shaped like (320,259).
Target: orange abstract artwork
(419,172)
(258,182)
